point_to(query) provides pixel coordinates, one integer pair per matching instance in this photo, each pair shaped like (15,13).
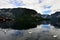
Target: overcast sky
(41,6)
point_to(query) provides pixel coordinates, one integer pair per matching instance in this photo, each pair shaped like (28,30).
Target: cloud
(16,3)
(38,5)
(47,6)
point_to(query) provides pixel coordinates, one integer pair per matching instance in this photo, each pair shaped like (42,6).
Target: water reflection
(44,31)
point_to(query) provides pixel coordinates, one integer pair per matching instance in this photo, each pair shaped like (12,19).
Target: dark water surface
(44,31)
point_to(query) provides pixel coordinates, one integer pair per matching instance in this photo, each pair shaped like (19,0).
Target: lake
(43,31)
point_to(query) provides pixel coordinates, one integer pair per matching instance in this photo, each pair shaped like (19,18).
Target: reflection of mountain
(55,19)
(22,18)
(55,23)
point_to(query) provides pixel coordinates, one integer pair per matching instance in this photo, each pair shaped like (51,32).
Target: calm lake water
(44,31)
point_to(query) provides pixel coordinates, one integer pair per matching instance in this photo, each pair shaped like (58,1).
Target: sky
(41,6)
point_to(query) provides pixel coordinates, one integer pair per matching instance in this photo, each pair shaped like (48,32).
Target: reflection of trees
(56,23)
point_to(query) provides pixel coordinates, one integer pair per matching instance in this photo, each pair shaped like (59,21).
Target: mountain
(56,14)
(20,18)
